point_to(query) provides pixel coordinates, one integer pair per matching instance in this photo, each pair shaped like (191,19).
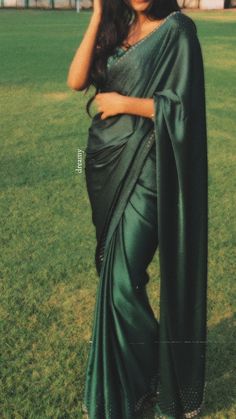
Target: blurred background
(87,4)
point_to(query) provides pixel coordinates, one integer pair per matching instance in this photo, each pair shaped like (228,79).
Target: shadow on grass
(219,397)
(220,374)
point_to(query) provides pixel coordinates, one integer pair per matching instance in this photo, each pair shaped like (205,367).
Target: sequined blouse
(119,52)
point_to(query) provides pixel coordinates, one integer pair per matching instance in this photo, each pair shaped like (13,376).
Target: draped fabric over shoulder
(147,185)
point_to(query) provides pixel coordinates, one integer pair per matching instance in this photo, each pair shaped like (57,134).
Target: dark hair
(113,30)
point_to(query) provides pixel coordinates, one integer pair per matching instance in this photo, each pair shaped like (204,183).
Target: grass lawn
(47,274)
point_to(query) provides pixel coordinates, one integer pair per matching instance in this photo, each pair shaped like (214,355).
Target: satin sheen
(147,185)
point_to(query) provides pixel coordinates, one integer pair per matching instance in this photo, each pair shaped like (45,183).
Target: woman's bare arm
(137,106)
(113,103)
(80,66)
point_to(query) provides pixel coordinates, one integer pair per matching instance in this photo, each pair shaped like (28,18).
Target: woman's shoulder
(183,22)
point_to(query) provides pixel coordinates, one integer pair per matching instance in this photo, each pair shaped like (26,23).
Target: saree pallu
(147,185)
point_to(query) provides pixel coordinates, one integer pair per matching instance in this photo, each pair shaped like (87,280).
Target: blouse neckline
(150,33)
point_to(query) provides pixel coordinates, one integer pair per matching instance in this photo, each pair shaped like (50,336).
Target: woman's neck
(141,20)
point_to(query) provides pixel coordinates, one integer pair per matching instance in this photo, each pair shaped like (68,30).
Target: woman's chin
(140,8)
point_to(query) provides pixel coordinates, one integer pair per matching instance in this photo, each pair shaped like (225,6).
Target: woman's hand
(78,74)
(109,104)
(113,103)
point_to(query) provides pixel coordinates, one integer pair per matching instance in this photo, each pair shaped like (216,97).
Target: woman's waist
(115,130)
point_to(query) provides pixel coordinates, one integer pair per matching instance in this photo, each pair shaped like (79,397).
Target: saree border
(136,44)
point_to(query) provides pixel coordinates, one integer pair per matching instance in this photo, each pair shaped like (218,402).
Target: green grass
(47,273)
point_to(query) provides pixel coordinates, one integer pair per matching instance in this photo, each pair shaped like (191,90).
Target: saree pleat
(124,318)
(147,184)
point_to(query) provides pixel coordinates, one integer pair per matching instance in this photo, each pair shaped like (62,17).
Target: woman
(146,175)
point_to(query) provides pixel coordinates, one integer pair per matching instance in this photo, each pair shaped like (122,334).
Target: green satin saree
(147,185)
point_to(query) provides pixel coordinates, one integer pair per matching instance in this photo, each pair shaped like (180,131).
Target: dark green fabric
(147,185)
